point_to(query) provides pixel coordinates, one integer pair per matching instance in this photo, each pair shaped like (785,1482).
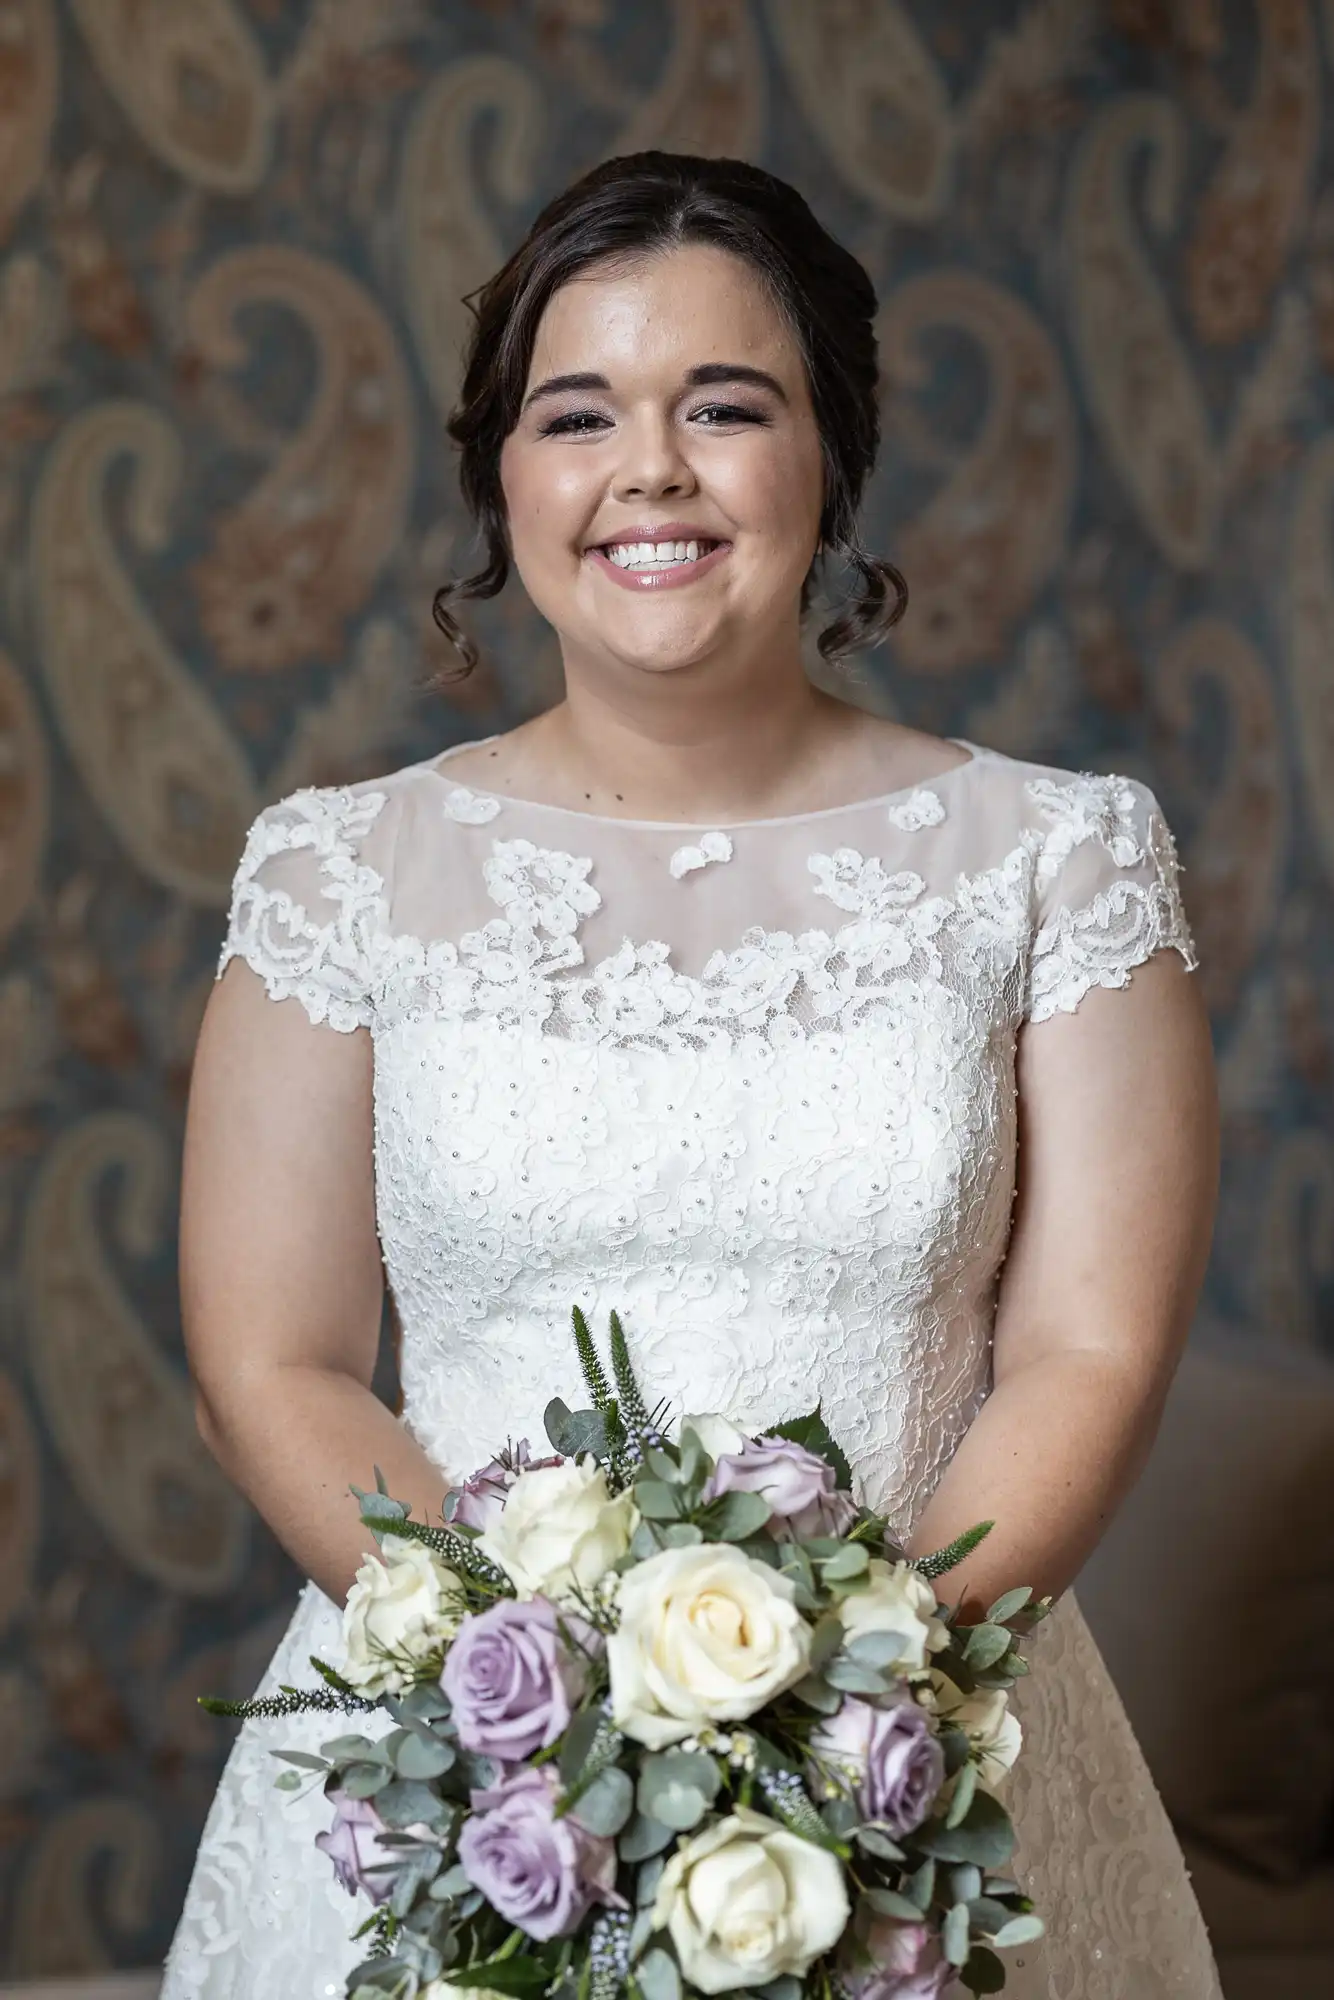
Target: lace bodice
(753,1085)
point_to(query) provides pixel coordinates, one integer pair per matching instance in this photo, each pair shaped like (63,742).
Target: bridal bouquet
(670,1716)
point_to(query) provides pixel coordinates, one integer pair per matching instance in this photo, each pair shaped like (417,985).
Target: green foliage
(595,1381)
(954,1552)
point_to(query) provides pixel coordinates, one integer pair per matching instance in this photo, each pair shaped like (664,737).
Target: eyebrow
(707,372)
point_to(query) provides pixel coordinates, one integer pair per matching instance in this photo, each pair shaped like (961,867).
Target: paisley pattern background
(234,240)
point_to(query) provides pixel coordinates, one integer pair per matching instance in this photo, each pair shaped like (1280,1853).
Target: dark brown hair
(635,206)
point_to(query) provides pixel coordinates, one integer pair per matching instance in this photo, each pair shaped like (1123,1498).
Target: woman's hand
(281,1279)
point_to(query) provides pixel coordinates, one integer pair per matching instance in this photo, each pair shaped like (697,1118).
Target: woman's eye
(570,424)
(731,413)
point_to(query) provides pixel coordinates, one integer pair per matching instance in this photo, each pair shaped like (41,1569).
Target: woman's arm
(281,1279)
(1118,1175)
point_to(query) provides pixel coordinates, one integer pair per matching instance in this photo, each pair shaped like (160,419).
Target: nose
(652,460)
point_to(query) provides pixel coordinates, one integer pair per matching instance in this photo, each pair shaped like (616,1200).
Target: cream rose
(718,1435)
(895,1598)
(399,1611)
(746,1901)
(988,1722)
(706,1634)
(560,1530)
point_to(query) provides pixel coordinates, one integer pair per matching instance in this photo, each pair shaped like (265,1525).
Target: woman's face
(690,422)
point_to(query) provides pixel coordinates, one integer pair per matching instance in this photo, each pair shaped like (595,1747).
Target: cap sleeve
(308,902)
(1108,890)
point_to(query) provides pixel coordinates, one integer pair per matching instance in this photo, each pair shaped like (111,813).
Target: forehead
(663,313)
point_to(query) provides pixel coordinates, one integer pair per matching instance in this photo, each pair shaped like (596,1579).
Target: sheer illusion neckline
(437,767)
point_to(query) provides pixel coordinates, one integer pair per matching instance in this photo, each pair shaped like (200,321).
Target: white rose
(896,1598)
(988,1722)
(400,1609)
(706,1634)
(746,1902)
(560,1530)
(718,1435)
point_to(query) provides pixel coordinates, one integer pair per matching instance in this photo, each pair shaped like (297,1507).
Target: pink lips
(660,579)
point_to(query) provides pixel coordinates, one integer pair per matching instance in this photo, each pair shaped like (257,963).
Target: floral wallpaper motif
(234,240)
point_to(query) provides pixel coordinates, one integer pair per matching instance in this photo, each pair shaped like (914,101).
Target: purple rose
(353,1845)
(889,1757)
(906,1964)
(539,1872)
(511,1679)
(799,1486)
(479,1500)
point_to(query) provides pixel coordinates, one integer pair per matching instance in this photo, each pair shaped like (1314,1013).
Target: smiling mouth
(649,556)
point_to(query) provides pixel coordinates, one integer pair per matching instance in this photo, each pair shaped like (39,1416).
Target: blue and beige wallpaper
(234,239)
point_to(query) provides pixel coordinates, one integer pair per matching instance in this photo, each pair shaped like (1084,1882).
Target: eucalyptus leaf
(889,1903)
(288,1781)
(841,1816)
(354,1750)
(877,1649)
(985,1836)
(680,1535)
(645,1542)
(954,1935)
(1006,1605)
(662,1466)
(1019,1930)
(657,1975)
(578,1742)
(854,1678)
(657,1501)
(826,1639)
(987,1914)
(734,1516)
(424,1703)
(554,1419)
(677,1787)
(986,1644)
(643,1837)
(641,1930)
(586,1431)
(306,1762)
(965,1882)
(647,1880)
(406,1801)
(965,1785)
(983,1972)
(817,1694)
(851,1560)
(451,1885)
(606,1805)
(921,1885)
(424,1757)
(363,1781)
(878,1843)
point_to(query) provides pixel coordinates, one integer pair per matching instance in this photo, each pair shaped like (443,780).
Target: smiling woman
(807,1041)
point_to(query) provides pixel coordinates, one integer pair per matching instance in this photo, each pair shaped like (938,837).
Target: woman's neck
(680,759)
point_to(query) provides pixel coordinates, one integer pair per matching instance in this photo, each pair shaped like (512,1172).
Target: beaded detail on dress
(753,1086)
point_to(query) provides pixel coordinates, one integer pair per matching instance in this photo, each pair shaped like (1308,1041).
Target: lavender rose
(889,1757)
(539,1872)
(479,1500)
(512,1680)
(353,1845)
(906,1964)
(799,1486)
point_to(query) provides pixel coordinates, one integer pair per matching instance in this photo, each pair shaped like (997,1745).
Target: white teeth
(653,555)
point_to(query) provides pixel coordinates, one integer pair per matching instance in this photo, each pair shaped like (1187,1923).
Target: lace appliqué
(326,965)
(922,809)
(470,808)
(714,846)
(1101,942)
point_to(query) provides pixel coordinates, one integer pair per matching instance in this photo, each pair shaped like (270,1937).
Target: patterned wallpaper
(234,235)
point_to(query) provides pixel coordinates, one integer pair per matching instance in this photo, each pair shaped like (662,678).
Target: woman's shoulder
(1066,805)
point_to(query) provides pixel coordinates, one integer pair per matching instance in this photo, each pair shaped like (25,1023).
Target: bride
(847,1062)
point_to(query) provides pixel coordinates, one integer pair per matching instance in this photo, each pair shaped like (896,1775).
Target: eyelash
(733,412)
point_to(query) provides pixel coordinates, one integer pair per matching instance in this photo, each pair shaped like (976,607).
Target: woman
(711,998)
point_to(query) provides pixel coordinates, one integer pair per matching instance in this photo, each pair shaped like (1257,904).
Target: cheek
(546,503)
(776,490)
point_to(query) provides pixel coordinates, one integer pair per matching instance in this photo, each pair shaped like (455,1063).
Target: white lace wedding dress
(755,1089)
